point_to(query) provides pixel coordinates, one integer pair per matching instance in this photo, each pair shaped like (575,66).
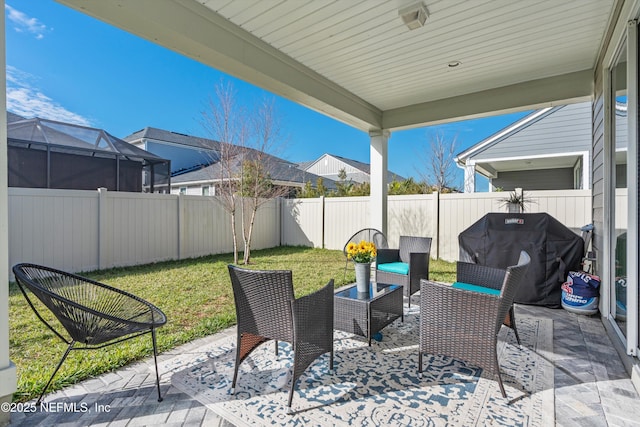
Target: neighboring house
(49,154)
(185,151)
(329,166)
(196,169)
(548,149)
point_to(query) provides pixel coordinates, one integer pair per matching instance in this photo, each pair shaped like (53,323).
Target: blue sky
(67,66)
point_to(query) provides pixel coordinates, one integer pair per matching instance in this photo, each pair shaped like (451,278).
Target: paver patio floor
(592,387)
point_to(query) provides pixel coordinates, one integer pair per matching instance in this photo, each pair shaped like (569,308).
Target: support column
(470,178)
(378,179)
(7,369)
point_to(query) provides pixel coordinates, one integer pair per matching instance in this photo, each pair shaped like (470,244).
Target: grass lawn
(195,295)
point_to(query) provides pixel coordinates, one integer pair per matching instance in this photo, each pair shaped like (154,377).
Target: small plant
(362,252)
(516,200)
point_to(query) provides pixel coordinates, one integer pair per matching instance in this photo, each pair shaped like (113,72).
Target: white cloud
(28,101)
(24,23)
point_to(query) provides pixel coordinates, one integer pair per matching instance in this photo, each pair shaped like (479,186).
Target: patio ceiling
(491,168)
(356,61)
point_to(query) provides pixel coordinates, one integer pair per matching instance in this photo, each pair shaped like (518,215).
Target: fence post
(278,208)
(181,232)
(436,231)
(281,202)
(323,221)
(104,236)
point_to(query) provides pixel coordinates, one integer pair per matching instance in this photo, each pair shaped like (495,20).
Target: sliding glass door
(619,122)
(621,282)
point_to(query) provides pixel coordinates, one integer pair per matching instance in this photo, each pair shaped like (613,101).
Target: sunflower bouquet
(361,252)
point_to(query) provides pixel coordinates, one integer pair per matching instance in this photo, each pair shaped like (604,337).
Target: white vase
(514,208)
(363,276)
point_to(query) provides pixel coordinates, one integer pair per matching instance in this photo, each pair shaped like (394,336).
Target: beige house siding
(330,167)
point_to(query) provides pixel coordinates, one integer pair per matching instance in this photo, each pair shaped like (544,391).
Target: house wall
(606,201)
(598,173)
(567,130)
(330,167)
(541,179)
(182,157)
(191,190)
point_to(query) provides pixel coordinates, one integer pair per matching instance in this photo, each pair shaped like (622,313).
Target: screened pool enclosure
(48,154)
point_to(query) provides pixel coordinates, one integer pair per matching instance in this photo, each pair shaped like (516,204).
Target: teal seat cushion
(394,267)
(475,288)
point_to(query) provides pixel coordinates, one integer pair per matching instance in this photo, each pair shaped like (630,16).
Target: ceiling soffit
(356,61)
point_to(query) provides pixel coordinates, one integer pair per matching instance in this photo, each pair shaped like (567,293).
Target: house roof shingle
(279,169)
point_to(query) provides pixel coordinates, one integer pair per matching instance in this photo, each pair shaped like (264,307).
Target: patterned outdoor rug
(377,385)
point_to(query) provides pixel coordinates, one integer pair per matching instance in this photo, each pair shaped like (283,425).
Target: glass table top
(375,290)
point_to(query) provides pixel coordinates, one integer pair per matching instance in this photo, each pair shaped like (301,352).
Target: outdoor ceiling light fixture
(414,16)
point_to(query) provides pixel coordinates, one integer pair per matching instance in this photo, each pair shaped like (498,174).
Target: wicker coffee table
(365,314)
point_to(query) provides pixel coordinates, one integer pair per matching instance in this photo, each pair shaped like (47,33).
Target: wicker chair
(487,277)
(464,324)
(266,309)
(406,265)
(369,235)
(94,315)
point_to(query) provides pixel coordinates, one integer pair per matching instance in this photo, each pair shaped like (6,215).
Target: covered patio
(384,66)
(590,387)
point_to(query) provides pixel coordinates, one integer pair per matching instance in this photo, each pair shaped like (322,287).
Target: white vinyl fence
(79,231)
(329,222)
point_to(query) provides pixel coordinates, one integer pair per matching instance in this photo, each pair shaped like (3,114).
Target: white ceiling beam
(193,30)
(487,170)
(549,92)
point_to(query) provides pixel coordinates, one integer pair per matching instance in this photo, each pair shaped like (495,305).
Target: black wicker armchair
(367,234)
(266,309)
(406,265)
(464,323)
(94,315)
(487,277)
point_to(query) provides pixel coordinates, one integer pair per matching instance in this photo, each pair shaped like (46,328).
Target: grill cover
(496,240)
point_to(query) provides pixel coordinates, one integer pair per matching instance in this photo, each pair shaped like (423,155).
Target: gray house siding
(566,130)
(597,177)
(541,179)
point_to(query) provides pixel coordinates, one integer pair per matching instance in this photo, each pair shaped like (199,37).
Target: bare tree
(243,163)
(224,121)
(259,165)
(438,169)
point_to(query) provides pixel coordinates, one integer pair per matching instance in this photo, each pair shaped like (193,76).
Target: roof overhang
(357,62)
(491,168)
